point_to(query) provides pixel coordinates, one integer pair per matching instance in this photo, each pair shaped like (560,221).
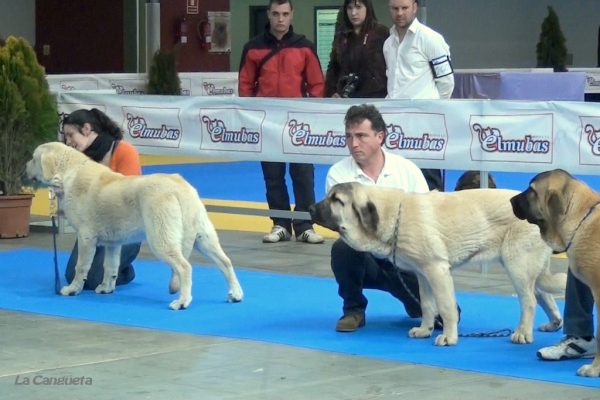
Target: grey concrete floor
(132,363)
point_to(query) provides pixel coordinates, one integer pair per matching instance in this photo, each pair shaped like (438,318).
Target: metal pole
(483,184)
(152,30)
(483,175)
(137,36)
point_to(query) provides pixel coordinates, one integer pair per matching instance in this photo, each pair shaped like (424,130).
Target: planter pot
(14,215)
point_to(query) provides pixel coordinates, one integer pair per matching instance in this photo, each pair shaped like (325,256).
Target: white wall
(481,33)
(17,18)
(504,34)
(579,21)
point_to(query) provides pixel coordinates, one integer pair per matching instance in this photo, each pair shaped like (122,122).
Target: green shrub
(163,77)
(551,49)
(28,112)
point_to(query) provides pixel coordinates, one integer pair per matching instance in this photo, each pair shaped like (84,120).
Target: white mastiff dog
(109,209)
(435,232)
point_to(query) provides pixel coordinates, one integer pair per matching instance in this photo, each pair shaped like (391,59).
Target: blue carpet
(237,181)
(291,310)
(243,181)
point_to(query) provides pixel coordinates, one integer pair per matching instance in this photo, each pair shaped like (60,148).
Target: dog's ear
(368,215)
(555,203)
(48,165)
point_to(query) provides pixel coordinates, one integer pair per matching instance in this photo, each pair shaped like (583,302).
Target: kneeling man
(370,164)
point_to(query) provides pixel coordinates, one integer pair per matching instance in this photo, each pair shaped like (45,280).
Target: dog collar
(592,208)
(58,191)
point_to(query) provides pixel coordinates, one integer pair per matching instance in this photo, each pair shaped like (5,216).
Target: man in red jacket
(281,63)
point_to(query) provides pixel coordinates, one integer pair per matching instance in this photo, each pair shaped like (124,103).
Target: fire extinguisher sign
(192,6)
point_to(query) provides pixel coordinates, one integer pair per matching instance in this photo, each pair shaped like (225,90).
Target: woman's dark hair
(370,20)
(472,180)
(99,121)
(357,114)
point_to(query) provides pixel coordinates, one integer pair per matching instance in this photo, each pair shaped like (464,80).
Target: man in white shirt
(417,57)
(369,164)
(418,64)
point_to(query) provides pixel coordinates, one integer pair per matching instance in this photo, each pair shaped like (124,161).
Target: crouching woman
(93,133)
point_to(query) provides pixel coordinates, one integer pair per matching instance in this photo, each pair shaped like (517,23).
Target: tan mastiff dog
(109,209)
(568,214)
(432,233)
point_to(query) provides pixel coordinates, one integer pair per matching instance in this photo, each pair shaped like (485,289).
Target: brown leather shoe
(350,322)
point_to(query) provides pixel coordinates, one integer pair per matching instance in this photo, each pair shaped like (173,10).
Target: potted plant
(28,118)
(163,77)
(551,50)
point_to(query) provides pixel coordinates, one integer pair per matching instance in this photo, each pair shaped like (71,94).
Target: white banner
(592,84)
(192,83)
(225,83)
(489,135)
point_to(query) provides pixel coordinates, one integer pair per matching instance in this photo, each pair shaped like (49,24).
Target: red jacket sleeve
(246,75)
(314,74)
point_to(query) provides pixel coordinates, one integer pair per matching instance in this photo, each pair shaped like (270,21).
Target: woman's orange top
(125,159)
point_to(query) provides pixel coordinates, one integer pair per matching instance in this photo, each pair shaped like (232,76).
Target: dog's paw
(105,288)
(446,340)
(180,303)
(552,326)
(419,332)
(235,295)
(589,370)
(521,337)
(69,291)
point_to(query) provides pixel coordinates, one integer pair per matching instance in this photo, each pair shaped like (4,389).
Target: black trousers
(579,308)
(354,270)
(303,182)
(96,274)
(434,178)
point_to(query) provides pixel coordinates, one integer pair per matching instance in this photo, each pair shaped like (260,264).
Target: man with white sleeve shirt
(370,164)
(418,64)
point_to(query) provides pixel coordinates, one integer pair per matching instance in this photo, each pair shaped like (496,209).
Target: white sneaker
(569,347)
(310,236)
(278,234)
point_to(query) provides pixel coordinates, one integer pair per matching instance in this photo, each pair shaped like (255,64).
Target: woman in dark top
(357,51)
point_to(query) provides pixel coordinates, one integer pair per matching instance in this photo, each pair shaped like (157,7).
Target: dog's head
(544,203)
(47,164)
(348,210)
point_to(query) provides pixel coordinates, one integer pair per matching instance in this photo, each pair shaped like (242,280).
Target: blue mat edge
(588,382)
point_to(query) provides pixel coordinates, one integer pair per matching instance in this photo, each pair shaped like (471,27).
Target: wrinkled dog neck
(382,241)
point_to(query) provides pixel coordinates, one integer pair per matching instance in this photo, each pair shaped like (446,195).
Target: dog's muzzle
(29,181)
(519,206)
(320,214)
(522,211)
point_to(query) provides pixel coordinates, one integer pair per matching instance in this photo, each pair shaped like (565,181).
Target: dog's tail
(552,283)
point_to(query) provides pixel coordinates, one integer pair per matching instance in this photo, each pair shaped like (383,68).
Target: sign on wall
(220,31)
(325,18)
(192,6)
